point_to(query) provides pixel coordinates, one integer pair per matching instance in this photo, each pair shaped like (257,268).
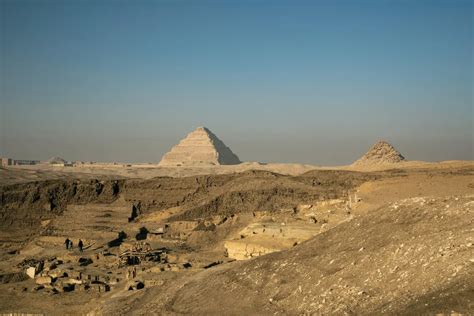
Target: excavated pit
(26,208)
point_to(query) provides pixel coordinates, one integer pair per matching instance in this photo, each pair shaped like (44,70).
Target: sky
(277,81)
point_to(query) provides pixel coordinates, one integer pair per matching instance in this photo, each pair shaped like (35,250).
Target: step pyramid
(200,147)
(381,153)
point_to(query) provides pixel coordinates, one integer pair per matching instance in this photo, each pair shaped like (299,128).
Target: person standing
(66,242)
(80,245)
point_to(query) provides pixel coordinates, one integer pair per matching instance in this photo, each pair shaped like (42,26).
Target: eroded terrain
(258,242)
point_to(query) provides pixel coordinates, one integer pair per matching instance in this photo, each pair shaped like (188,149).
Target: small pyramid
(200,147)
(381,153)
(55,160)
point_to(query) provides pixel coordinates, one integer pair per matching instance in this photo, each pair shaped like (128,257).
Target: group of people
(70,245)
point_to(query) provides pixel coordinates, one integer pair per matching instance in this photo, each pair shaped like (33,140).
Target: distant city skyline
(314,82)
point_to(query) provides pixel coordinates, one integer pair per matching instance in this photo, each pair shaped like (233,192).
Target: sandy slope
(409,251)
(414,255)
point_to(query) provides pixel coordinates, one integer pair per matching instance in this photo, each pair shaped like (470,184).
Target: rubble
(85,261)
(42,280)
(141,252)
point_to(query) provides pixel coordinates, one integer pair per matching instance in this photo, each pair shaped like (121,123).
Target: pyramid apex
(202,129)
(383,142)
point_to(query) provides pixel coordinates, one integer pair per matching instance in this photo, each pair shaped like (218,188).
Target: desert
(236,157)
(382,235)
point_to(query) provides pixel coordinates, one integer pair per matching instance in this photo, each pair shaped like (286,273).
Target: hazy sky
(287,81)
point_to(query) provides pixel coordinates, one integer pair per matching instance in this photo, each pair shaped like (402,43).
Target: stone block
(42,280)
(31,272)
(149,283)
(73,281)
(174,268)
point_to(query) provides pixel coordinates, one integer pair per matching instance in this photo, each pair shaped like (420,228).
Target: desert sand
(384,235)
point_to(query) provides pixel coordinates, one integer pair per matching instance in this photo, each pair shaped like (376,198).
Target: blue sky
(287,81)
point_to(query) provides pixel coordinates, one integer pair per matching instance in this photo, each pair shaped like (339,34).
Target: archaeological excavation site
(201,233)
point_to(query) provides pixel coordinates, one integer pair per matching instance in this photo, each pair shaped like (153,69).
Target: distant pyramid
(200,147)
(55,160)
(380,153)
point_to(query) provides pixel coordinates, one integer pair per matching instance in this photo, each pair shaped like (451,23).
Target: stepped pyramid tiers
(200,147)
(381,153)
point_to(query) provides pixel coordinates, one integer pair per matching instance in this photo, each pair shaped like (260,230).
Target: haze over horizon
(309,82)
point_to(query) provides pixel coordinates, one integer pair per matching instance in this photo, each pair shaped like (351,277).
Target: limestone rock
(73,281)
(200,147)
(263,237)
(42,280)
(246,249)
(31,272)
(380,153)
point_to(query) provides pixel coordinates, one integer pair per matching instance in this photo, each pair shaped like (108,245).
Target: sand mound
(380,153)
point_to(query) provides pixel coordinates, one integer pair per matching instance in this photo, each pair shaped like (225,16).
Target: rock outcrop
(200,147)
(266,237)
(380,153)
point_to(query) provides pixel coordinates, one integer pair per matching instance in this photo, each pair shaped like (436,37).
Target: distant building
(17,162)
(6,162)
(25,162)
